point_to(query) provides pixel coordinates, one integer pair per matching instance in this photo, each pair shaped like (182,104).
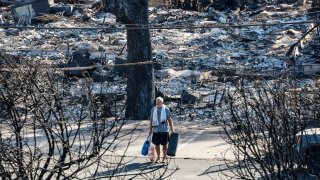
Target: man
(159,120)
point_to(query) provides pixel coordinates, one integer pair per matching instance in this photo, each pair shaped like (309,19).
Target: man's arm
(171,124)
(150,127)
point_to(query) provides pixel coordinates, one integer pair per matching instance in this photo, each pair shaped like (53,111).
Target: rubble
(101,75)
(188,98)
(193,65)
(222,5)
(66,10)
(12,32)
(79,58)
(23,13)
(120,70)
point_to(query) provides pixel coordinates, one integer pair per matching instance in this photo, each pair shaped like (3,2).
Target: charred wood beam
(290,52)
(195,5)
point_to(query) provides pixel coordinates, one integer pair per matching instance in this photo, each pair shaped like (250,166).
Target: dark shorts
(160,138)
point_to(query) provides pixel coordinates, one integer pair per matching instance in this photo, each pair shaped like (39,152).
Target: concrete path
(200,153)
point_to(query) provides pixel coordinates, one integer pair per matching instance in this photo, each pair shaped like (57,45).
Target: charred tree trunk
(140,83)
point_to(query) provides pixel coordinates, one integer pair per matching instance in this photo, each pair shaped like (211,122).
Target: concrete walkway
(200,153)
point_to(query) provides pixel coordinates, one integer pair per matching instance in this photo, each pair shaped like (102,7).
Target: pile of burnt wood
(316,4)
(202,5)
(221,5)
(196,5)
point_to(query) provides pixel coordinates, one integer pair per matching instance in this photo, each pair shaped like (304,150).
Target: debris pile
(195,66)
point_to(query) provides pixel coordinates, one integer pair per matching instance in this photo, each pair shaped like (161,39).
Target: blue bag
(145,147)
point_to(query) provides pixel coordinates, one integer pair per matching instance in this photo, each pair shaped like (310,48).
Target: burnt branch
(262,124)
(55,129)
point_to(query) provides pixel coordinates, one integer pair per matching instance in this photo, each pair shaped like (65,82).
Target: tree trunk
(140,83)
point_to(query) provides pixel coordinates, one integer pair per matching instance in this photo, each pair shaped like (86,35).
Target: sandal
(164,161)
(157,160)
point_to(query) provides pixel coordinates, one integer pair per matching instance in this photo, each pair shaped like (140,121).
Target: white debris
(197,59)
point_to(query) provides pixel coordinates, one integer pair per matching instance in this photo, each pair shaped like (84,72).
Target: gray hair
(160,99)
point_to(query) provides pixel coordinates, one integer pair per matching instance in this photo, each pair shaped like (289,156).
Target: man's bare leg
(164,150)
(158,153)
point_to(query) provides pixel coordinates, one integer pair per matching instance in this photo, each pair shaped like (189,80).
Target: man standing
(159,120)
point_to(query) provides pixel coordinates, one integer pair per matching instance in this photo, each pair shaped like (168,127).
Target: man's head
(159,102)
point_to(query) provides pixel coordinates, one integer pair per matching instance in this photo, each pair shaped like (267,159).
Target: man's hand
(172,131)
